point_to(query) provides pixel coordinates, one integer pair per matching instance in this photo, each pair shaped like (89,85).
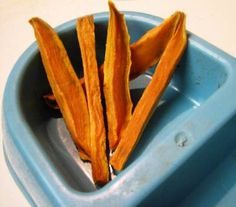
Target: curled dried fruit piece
(151,95)
(65,84)
(86,37)
(116,76)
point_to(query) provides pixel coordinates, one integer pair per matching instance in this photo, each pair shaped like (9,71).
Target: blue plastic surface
(186,155)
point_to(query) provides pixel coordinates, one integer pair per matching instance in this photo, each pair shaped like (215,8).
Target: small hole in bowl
(181,139)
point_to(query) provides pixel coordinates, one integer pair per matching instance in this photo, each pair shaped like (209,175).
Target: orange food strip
(148,49)
(116,76)
(65,84)
(151,95)
(50,100)
(86,37)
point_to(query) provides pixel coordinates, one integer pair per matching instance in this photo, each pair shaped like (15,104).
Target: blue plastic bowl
(186,156)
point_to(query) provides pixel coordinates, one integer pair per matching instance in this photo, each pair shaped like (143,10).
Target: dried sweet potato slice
(151,95)
(50,100)
(86,37)
(116,76)
(65,84)
(147,50)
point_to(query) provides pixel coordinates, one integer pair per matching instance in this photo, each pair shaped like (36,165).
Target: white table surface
(213,20)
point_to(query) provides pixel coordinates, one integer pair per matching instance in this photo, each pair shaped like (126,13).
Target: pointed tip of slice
(31,20)
(112,6)
(111,3)
(178,15)
(35,19)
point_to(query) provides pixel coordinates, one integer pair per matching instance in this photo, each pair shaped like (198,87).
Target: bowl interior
(198,76)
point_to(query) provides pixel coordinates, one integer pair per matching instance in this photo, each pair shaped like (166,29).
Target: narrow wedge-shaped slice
(151,95)
(116,76)
(65,84)
(147,50)
(86,37)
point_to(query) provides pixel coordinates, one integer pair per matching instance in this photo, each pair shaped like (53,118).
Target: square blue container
(186,155)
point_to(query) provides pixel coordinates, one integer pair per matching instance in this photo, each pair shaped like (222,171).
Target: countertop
(212,20)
